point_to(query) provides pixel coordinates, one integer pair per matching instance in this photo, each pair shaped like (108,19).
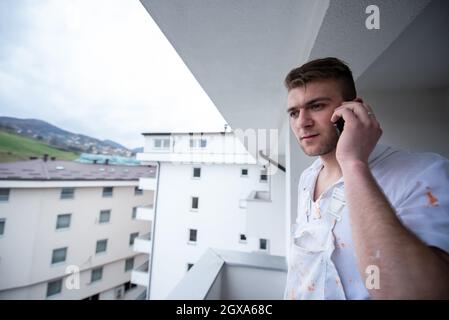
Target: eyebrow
(311,102)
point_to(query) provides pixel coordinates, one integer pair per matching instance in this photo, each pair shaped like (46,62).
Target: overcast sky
(97,67)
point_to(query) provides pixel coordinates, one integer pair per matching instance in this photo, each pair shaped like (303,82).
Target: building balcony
(147,183)
(233,275)
(141,275)
(136,293)
(143,243)
(145,213)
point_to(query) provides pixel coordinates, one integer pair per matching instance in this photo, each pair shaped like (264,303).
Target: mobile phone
(339,124)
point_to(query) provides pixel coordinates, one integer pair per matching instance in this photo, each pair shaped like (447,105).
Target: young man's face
(310,109)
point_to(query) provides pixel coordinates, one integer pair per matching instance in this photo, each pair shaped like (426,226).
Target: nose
(304,120)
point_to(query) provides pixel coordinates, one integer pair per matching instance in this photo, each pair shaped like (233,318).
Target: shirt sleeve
(425,208)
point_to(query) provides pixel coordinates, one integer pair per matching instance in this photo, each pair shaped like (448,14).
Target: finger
(369,109)
(344,113)
(359,111)
(372,115)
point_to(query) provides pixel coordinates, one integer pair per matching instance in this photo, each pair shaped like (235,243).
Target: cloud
(101,68)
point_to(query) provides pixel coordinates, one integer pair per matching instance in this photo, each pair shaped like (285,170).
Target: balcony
(141,275)
(143,243)
(145,213)
(233,275)
(136,293)
(147,183)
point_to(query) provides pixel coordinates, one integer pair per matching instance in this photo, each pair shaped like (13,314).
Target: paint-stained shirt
(416,185)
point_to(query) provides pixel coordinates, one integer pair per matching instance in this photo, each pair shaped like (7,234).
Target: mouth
(309,137)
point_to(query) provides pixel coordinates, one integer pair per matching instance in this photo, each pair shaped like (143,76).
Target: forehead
(323,88)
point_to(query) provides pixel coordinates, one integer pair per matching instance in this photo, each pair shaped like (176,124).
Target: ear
(358,99)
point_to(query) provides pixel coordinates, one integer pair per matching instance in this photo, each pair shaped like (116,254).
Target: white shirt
(417,186)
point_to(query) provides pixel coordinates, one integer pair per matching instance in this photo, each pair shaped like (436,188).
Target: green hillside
(14,147)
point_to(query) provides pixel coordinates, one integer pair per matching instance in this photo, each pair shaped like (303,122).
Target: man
(373,222)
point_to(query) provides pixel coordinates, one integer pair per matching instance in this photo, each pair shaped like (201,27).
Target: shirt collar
(378,151)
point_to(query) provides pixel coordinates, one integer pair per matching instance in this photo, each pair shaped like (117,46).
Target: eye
(317,106)
(294,114)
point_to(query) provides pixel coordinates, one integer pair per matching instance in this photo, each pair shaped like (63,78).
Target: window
(263,176)
(263,244)
(242,238)
(189,266)
(4,195)
(59,255)
(161,143)
(244,173)
(101,246)
(196,172)
(54,287)
(132,237)
(198,143)
(107,192)
(129,264)
(63,221)
(137,191)
(67,193)
(2,226)
(195,203)
(134,214)
(105,216)
(193,235)
(96,274)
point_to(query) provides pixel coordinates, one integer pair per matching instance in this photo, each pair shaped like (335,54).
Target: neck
(331,167)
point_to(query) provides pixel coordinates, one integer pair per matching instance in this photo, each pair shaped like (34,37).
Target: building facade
(67,230)
(208,190)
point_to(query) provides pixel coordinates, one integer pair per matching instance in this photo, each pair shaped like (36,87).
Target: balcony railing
(145,213)
(223,275)
(147,183)
(143,243)
(141,275)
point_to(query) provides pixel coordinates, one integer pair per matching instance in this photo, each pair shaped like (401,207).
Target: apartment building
(67,229)
(210,193)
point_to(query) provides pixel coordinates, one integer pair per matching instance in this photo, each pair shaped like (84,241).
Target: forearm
(408,268)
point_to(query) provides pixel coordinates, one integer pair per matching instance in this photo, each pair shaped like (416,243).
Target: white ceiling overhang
(240,51)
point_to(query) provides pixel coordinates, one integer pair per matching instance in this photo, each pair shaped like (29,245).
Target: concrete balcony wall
(147,183)
(143,243)
(145,213)
(140,275)
(224,274)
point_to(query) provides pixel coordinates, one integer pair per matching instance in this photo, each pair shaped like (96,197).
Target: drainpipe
(274,163)
(153,228)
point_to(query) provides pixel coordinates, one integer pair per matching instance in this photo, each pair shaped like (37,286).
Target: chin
(319,150)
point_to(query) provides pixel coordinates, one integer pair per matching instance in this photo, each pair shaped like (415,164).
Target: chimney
(45,157)
(106,162)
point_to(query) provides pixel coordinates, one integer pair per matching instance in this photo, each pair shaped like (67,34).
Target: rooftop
(40,169)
